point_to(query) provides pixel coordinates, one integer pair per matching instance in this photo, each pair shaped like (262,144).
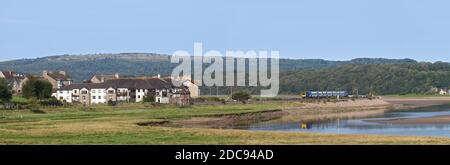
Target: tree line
(380,79)
(377,79)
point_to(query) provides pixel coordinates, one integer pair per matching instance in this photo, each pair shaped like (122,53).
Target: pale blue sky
(328,29)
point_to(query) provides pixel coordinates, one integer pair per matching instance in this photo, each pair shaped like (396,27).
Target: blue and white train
(320,94)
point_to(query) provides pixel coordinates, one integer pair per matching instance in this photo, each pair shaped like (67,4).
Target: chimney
(62,72)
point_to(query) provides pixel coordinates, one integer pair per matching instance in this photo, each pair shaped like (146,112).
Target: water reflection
(367,125)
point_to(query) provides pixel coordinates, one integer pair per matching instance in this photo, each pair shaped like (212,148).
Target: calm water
(364,126)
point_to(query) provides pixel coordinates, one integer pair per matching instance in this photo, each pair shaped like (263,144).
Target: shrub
(112,103)
(241,96)
(33,104)
(149,99)
(52,102)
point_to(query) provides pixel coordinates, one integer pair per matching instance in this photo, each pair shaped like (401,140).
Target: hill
(82,67)
(404,78)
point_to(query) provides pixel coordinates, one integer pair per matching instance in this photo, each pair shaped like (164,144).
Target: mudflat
(426,120)
(405,103)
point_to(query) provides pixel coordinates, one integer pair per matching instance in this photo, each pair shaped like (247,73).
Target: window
(93,97)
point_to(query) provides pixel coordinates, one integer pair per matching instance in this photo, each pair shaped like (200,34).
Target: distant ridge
(81,67)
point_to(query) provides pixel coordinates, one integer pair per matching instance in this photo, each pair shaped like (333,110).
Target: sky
(299,29)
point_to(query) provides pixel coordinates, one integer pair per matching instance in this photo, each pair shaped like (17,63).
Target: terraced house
(57,79)
(15,80)
(124,90)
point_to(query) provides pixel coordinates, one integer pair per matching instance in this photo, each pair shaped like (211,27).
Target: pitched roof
(58,76)
(170,81)
(84,85)
(13,75)
(150,83)
(105,77)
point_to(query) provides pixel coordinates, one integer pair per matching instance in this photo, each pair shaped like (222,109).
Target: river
(367,125)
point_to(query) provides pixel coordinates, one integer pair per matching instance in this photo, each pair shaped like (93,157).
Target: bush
(241,96)
(210,99)
(33,104)
(52,102)
(149,99)
(215,99)
(112,103)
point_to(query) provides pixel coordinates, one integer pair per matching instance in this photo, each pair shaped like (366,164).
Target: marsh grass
(103,124)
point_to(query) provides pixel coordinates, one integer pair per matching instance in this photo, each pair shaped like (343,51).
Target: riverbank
(328,111)
(315,111)
(101,133)
(400,103)
(425,120)
(301,112)
(165,124)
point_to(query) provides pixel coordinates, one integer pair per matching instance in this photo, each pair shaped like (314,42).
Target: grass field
(117,125)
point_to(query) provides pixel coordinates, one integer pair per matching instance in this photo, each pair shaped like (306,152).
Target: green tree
(5,92)
(241,96)
(36,88)
(150,97)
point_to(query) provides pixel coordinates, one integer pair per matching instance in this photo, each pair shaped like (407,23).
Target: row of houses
(128,90)
(101,89)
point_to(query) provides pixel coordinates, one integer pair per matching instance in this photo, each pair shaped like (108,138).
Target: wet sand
(408,103)
(347,109)
(326,111)
(425,120)
(306,112)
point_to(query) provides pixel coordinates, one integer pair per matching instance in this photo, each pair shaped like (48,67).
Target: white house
(128,90)
(443,92)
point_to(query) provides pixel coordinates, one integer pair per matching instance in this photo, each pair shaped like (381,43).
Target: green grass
(131,111)
(103,124)
(19,100)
